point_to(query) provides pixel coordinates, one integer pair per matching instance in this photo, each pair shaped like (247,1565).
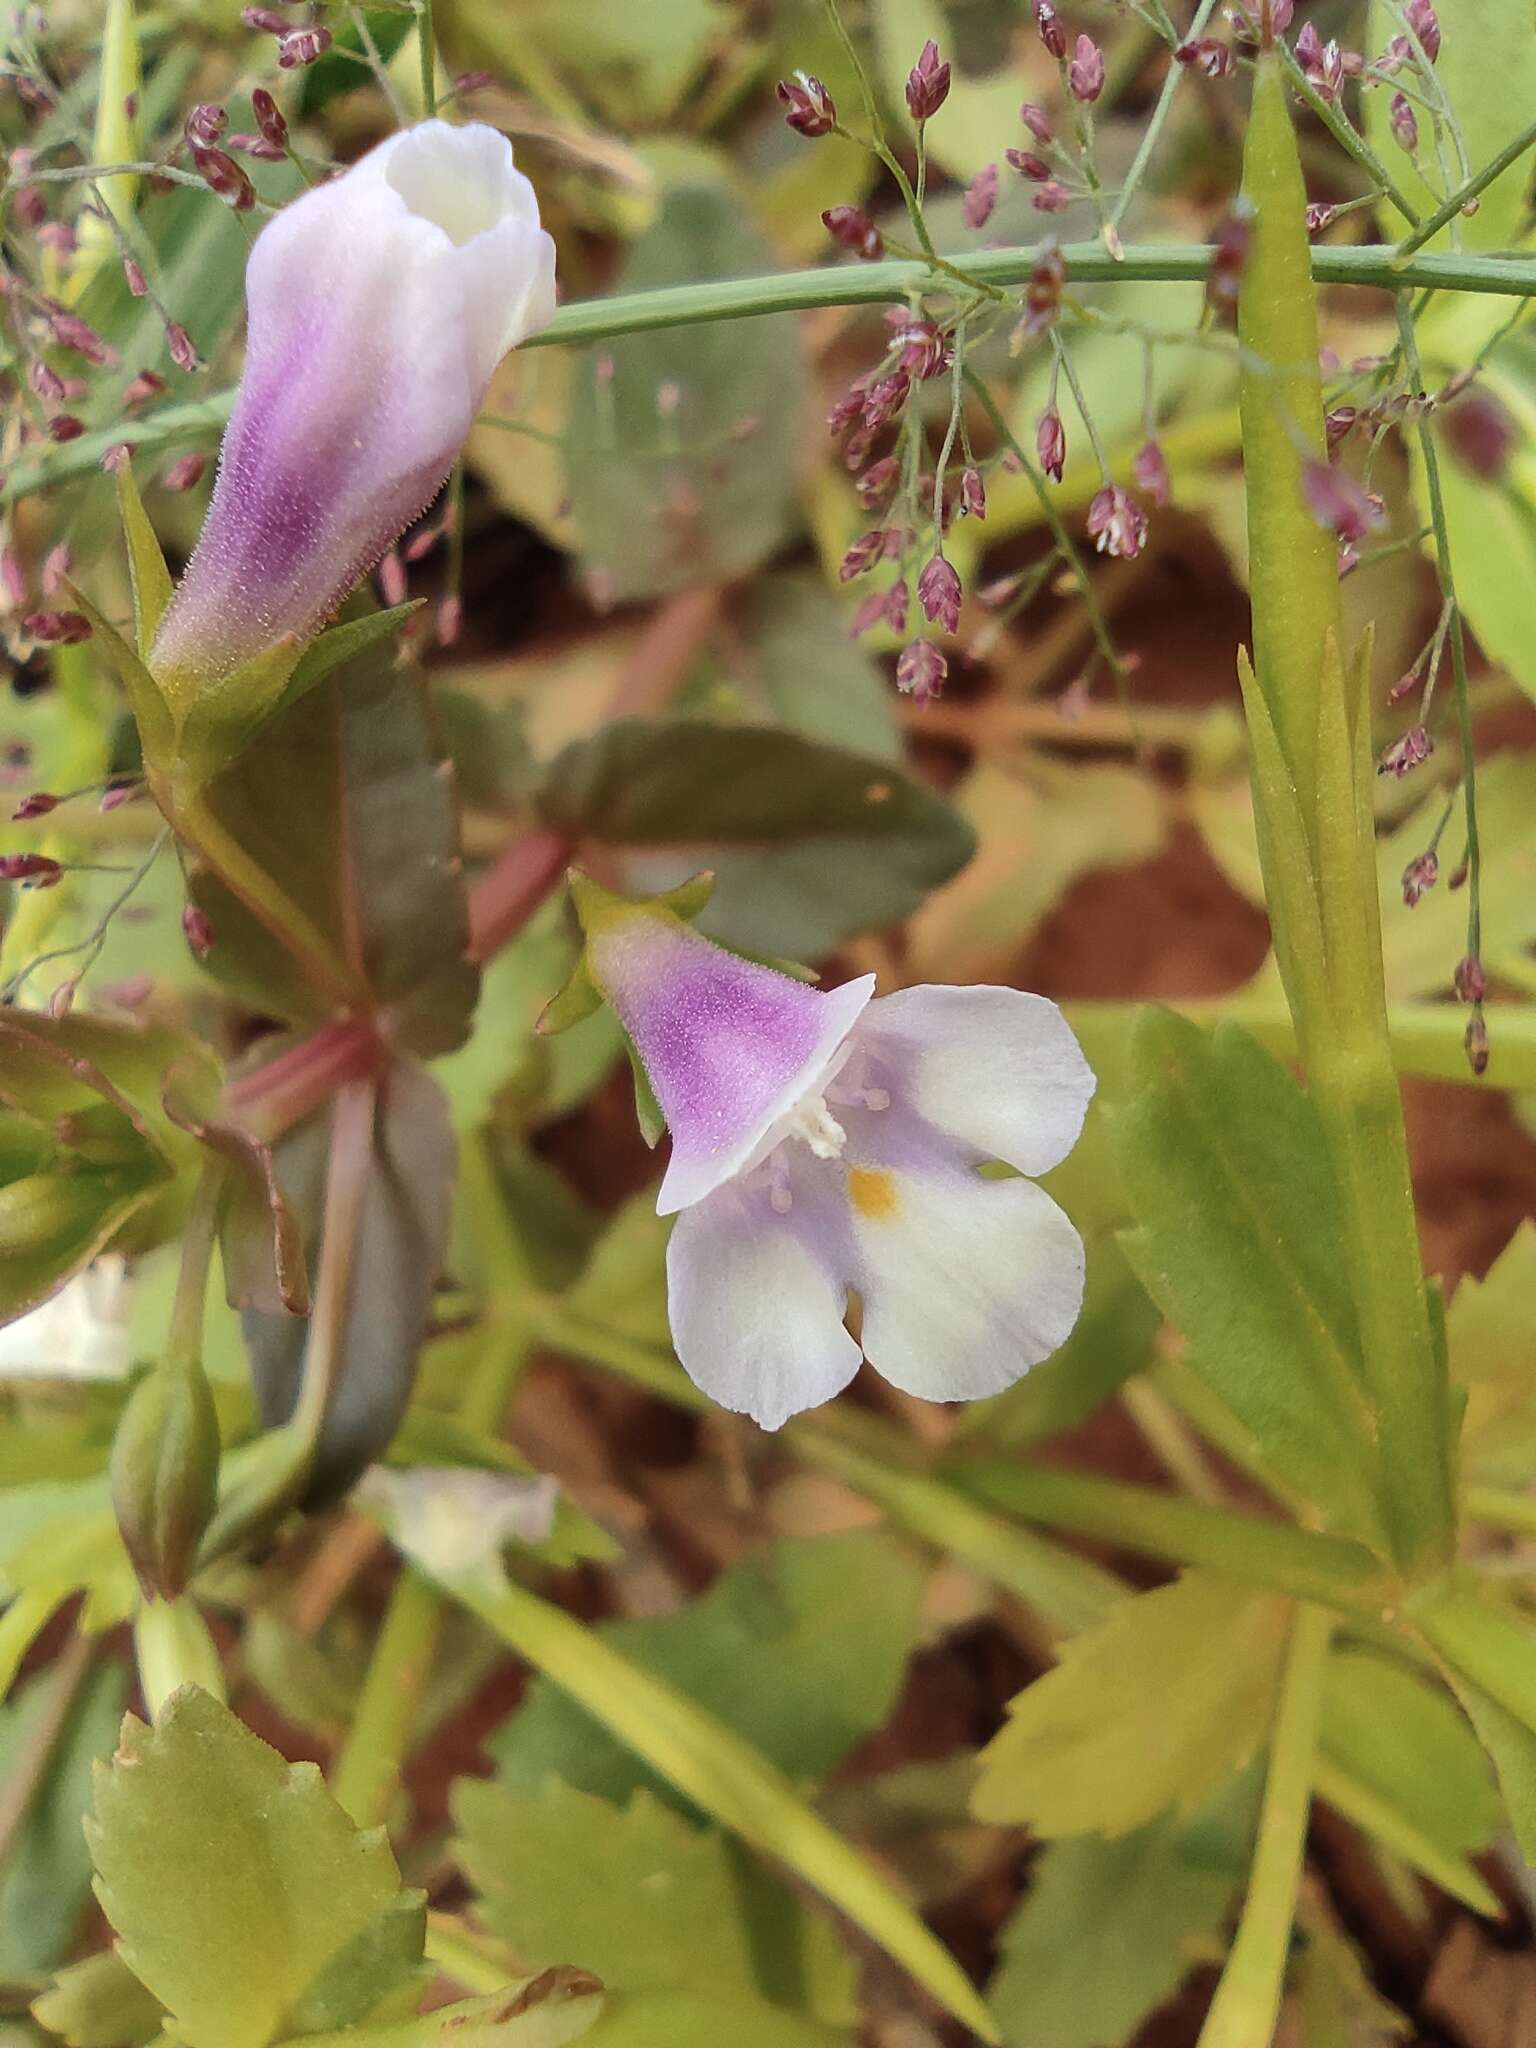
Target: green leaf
(1487,70)
(1333,1997)
(808,844)
(338,71)
(681,445)
(801,1650)
(381,1958)
(232,1879)
(1403,1739)
(723,1775)
(100,2004)
(623,1286)
(1491,1333)
(1239,1246)
(545,2011)
(795,665)
(343,813)
(59,1540)
(1107,1930)
(1512,1747)
(1150,1710)
(401,1240)
(46,1878)
(622,1892)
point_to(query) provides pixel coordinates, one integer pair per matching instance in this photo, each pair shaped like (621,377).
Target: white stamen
(815,1124)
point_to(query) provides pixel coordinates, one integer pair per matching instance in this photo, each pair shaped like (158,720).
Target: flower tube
(378,305)
(828,1144)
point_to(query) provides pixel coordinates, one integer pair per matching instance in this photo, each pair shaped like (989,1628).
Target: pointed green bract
(146,564)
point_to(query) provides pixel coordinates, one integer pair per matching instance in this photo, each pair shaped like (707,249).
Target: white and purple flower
(378,305)
(825,1144)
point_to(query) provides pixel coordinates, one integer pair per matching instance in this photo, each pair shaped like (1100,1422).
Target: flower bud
(1028,164)
(1051,198)
(59,629)
(1037,121)
(302,46)
(1404,124)
(1150,472)
(1207,54)
(378,305)
(37,805)
(939,593)
(921,671)
(165,1471)
(1424,22)
(269,119)
(1052,34)
(863,555)
(1085,73)
(1414,748)
(1338,501)
(809,107)
(222,175)
(1116,523)
(980,197)
(1420,876)
(1469,981)
(852,226)
(927,84)
(1051,443)
(973,494)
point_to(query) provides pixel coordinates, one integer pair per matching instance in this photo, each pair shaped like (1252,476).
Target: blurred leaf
(402,1233)
(1403,1739)
(345,807)
(380,1959)
(1512,1747)
(681,445)
(791,660)
(1491,1333)
(232,1879)
(505,1061)
(623,1286)
(621,1892)
(1239,1246)
(1037,833)
(1492,101)
(1333,1997)
(99,2003)
(525,472)
(488,746)
(335,73)
(634,65)
(809,844)
(46,1879)
(1106,1930)
(61,1539)
(1147,1711)
(800,1649)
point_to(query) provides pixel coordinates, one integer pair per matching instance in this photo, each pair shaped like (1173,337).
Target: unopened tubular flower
(824,1143)
(378,306)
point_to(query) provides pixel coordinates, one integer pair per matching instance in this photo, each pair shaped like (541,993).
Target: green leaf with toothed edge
(233,1881)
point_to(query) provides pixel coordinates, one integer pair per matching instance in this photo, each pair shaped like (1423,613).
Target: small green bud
(165,1474)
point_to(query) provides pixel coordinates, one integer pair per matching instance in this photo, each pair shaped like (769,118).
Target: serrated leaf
(231,1877)
(100,2004)
(1106,1930)
(681,445)
(382,1957)
(1147,1712)
(808,844)
(800,1649)
(1238,1243)
(564,1876)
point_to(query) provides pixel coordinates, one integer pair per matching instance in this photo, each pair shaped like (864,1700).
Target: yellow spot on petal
(873,1193)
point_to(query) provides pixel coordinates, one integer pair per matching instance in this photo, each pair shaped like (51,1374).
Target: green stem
(184,1337)
(1153,130)
(1346,135)
(1444,214)
(1247,2001)
(1144,1519)
(351,1164)
(427,54)
(1135,1518)
(1431,460)
(1515,1513)
(367,1772)
(172,1648)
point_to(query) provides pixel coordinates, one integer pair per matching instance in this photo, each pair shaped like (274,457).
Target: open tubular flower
(378,305)
(825,1143)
